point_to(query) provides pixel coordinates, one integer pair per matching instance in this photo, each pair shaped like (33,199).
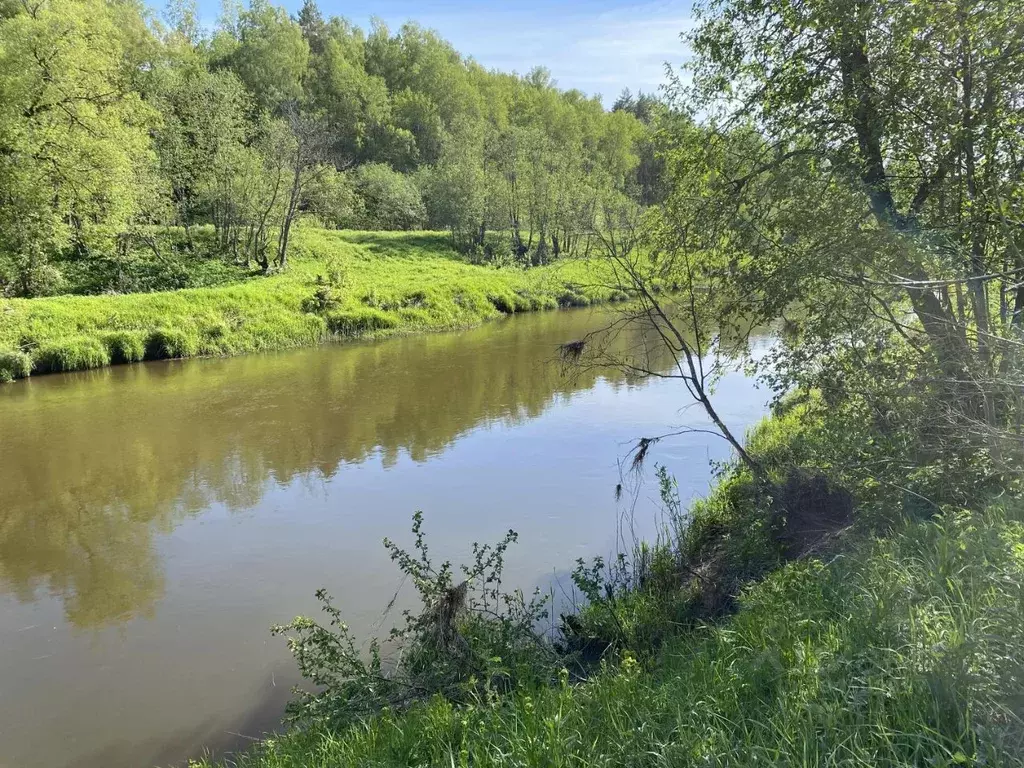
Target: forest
(129,137)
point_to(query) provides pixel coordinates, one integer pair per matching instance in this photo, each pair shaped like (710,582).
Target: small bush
(126,346)
(415,300)
(510,303)
(359,321)
(502,303)
(387,199)
(380,301)
(470,638)
(73,354)
(14,365)
(169,343)
(324,298)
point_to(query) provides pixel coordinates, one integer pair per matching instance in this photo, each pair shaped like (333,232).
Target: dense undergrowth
(337,285)
(882,635)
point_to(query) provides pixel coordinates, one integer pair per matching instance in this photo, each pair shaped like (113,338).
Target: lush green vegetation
(339,284)
(157,157)
(895,642)
(849,594)
(114,122)
(904,651)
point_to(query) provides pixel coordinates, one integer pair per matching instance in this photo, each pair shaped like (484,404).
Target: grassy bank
(903,651)
(895,641)
(338,284)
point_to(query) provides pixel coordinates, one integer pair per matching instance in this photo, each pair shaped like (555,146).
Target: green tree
(269,54)
(355,103)
(454,191)
(388,199)
(74,143)
(916,108)
(205,122)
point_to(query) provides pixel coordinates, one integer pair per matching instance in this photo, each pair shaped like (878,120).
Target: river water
(156,519)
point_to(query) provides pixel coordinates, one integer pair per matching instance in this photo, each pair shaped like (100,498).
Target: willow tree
(915,109)
(74,144)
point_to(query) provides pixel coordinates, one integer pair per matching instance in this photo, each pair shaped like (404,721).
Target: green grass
(381,283)
(906,651)
(899,644)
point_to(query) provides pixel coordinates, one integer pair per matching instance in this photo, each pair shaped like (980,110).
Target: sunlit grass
(385,283)
(902,652)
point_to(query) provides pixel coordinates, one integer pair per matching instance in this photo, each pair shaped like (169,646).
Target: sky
(596,46)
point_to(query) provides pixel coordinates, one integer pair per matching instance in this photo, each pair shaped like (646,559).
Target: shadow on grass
(406,244)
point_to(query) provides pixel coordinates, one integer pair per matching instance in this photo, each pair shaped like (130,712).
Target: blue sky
(597,46)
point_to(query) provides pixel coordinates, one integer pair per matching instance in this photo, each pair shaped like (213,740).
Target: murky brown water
(156,519)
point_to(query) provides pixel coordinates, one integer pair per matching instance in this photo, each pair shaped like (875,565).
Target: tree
(270,55)
(850,172)
(915,106)
(73,135)
(313,26)
(389,199)
(355,104)
(454,191)
(305,148)
(204,122)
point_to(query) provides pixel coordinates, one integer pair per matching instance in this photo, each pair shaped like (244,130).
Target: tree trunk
(948,341)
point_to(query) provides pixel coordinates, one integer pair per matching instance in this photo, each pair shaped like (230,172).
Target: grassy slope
(905,651)
(393,282)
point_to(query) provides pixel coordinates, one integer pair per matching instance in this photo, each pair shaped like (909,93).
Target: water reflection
(93,465)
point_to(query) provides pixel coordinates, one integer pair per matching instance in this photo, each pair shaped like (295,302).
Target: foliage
(74,143)
(14,364)
(70,354)
(857,179)
(468,638)
(906,651)
(388,199)
(112,123)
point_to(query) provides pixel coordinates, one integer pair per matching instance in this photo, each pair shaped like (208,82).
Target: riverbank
(338,285)
(904,651)
(888,639)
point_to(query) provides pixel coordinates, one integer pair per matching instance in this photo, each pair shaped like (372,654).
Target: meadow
(338,285)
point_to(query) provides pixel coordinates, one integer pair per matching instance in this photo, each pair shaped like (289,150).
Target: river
(156,519)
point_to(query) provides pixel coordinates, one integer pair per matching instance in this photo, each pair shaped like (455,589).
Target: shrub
(570,298)
(359,321)
(168,343)
(573,296)
(125,346)
(388,199)
(73,354)
(332,199)
(322,300)
(469,636)
(506,304)
(14,365)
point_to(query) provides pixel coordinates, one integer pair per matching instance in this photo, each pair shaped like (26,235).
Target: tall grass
(380,283)
(901,643)
(906,651)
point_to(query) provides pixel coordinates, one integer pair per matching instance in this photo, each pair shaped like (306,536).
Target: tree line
(114,122)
